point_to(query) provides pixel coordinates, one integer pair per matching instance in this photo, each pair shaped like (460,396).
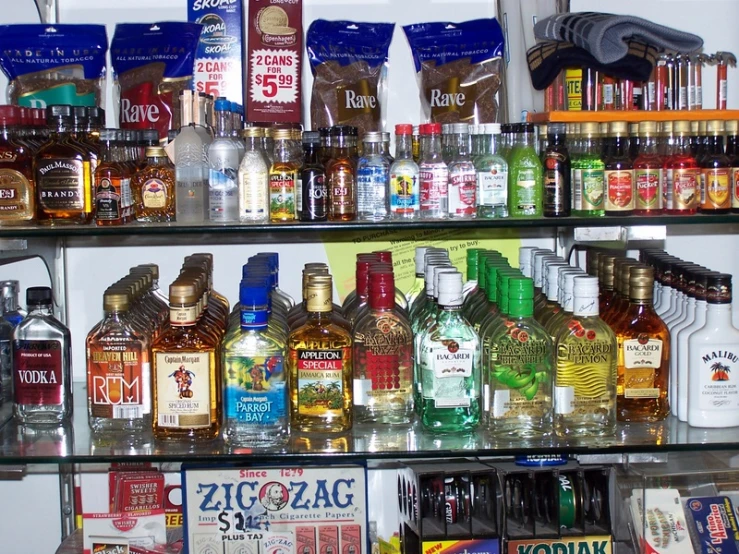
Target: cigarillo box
(275,510)
(219,68)
(273,57)
(119,530)
(659,521)
(713,525)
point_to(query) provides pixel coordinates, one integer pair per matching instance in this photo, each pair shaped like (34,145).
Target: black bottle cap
(556,130)
(57,111)
(80,113)
(150,137)
(311,137)
(526,128)
(718,289)
(38,295)
(96,116)
(324,131)
(108,135)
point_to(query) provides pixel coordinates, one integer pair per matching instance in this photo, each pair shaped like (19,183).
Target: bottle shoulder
(253,343)
(184,338)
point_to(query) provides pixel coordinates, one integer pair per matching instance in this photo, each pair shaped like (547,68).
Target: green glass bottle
(491,309)
(588,177)
(525,176)
(472,300)
(521,370)
(472,260)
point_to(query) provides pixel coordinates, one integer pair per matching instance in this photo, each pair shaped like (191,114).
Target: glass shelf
(75,444)
(150,229)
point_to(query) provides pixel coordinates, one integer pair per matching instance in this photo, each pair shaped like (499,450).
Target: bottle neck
(618,146)
(254,144)
(648,145)
(403,147)
(223,124)
(719,314)
(462,146)
(311,153)
(372,148)
(715,145)
(40,309)
(433,146)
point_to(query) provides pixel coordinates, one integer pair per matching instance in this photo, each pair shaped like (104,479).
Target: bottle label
(183,390)
(556,183)
(648,189)
(14,186)
(434,187)
(118,381)
(684,190)
(525,190)
(445,370)
(493,186)
(254,319)
(321,383)
(589,189)
(620,184)
(253,190)
(520,368)
(716,389)
(183,315)
(282,194)
(715,191)
(299,194)
(108,201)
(462,193)
(734,188)
(642,356)
(153,194)
(223,196)
(404,192)
(341,189)
(371,189)
(576,359)
(255,389)
(37,372)
(64,185)
(315,195)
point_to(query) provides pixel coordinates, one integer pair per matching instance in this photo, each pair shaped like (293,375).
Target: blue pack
(349,65)
(54,64)
(459,69)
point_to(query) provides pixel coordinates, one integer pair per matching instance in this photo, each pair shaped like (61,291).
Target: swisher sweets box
(275,510)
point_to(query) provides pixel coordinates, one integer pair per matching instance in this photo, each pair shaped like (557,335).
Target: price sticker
(274,76)
(243,522)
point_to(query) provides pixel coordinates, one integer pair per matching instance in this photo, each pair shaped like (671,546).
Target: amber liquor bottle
(186,387)
(341,176)
(643,355)
(17,195)
(112,184)
(320,366)
(154,188)
(63,174)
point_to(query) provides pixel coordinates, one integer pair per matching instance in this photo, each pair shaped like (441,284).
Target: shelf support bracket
(613,238)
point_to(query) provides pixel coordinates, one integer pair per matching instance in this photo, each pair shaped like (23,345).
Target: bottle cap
(537,261)
(403,129)
(553,280)
(372,136)
(253,295)
(460,128)
(617,128)
(586,294)
(569,290)
(10,115)
(492,128)
(382,290)
(589,128)
(607,271)
(732,127)
(438,271)
(311,137)
(433,128)
(641,283)
(718,289)
(384,256)
(520,297)
(540,270)
(115,301)
(429,275)
(592,260)
(556,129)
(715,127)
(319,294)
(525,259)
(491,276)
(38,295)
(183,292)
(647,128)
(472,263)
(450,289)
(420,258)
(701,284)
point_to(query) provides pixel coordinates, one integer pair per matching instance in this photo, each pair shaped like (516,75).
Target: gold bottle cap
(702,126)
(603,128)
(319,293)
(607,270)
(715,127)
(589,128)
(617,128)
(132,282)
(115,301)
(647,127)
(592,261)
(576,128)
(315,265)
(667,128)
(641,283)
(183,292)
(732,127)
(623,272)
(253,132)
(153,269)
(155,152)
(282,134)
(684,127)
(634,127)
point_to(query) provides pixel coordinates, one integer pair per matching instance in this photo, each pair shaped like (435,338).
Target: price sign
(274,76)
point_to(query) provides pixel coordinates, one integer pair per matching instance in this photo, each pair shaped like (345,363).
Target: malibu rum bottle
(320,366)
(643,354)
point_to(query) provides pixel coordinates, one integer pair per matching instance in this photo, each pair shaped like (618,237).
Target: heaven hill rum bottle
(320,365)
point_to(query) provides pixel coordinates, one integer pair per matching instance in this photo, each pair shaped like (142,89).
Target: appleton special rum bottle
(186,387)
(320,366)
(643,354)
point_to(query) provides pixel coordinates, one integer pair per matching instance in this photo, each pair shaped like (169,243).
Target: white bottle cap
(569,296)
(561,283)
(450,289)
(420,258)
(473,129)
(429,275)
(525,260)
(540,268)
(460,128)
(586,296)
(438,272)
(553,280)
(492,128)
(446,128)
(536,261)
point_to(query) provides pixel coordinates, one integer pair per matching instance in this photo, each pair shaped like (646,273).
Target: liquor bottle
(492,174)
(715,173)
(476,279)
(325,152)
(585,375)
(17,193)
(186,386)
(62,174)
(525,176)
(643,357)
(619,173)
(42,363)
(648,172)
(154,188)
(254,179)
(491,309)
(80,136)
(552,307)
(561,320)
(537,271)
(588,180)
(373,174)
(386,148)
(434,175)
(320,365)
(404,177)
(675,290)
(431,256)
(620,304)
(313,181)
(283,177)
(462,188)
(682,174)
(11,311)
(450,365)
(606,280)
(191,186)
(471,285)
(255,402)
(6,361)
(483,306)
(557,173)
(113,198)
(664,270)
(526,260)
(223,171)
(383,357)
(732,152)
(541,262)
(713,352)
(118,370)
(417,288)
(341,176)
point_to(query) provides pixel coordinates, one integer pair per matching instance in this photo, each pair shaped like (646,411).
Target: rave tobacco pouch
(152,63)
(349,65)
(459,67)
(54,64)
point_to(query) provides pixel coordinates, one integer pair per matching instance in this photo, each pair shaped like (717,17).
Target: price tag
(274,76)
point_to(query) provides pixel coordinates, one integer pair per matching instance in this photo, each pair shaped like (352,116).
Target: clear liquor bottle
(223,161)
(373,174)
(255,400)
(492,175)
(190,171)
(42,363)
(585,375)
(462,189)
(11,311)
(450,365)
(520,369)
(6,361)
(404,177)
(254,179)
(417,288)
(434,176)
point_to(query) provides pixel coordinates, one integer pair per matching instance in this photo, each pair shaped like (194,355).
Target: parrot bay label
(255,390)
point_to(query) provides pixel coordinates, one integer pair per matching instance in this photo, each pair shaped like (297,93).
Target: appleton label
(620,185)
(118,381)
(62,185)
(255,389)
(153,193)
(716,387)
(320,381)
(648,189)
(356,99)
(282,191)
(716,190)
(183,389)
(37,370)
